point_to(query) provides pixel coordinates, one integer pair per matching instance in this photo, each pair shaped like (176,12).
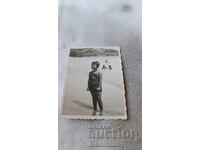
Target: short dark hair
(96,63)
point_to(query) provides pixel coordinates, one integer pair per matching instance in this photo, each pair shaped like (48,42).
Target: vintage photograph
(94,84)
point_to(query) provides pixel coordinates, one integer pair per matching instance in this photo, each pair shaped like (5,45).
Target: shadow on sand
(84,105)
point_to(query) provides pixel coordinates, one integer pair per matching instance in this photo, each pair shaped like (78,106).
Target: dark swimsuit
(94,81)
(93,84)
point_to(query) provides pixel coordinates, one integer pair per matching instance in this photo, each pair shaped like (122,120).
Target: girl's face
(94,67)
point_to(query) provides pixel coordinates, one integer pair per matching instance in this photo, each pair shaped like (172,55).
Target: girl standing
(95,87)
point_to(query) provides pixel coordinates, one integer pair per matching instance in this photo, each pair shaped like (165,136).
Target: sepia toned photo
(94,84)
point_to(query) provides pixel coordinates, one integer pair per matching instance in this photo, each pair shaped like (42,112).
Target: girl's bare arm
(100,80)
(88,83)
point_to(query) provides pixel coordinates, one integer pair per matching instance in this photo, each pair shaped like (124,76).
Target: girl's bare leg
(94,101)
(100,103)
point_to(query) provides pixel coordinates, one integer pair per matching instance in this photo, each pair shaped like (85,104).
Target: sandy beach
(78,101)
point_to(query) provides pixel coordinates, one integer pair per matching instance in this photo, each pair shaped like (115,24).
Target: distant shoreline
(91,52)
